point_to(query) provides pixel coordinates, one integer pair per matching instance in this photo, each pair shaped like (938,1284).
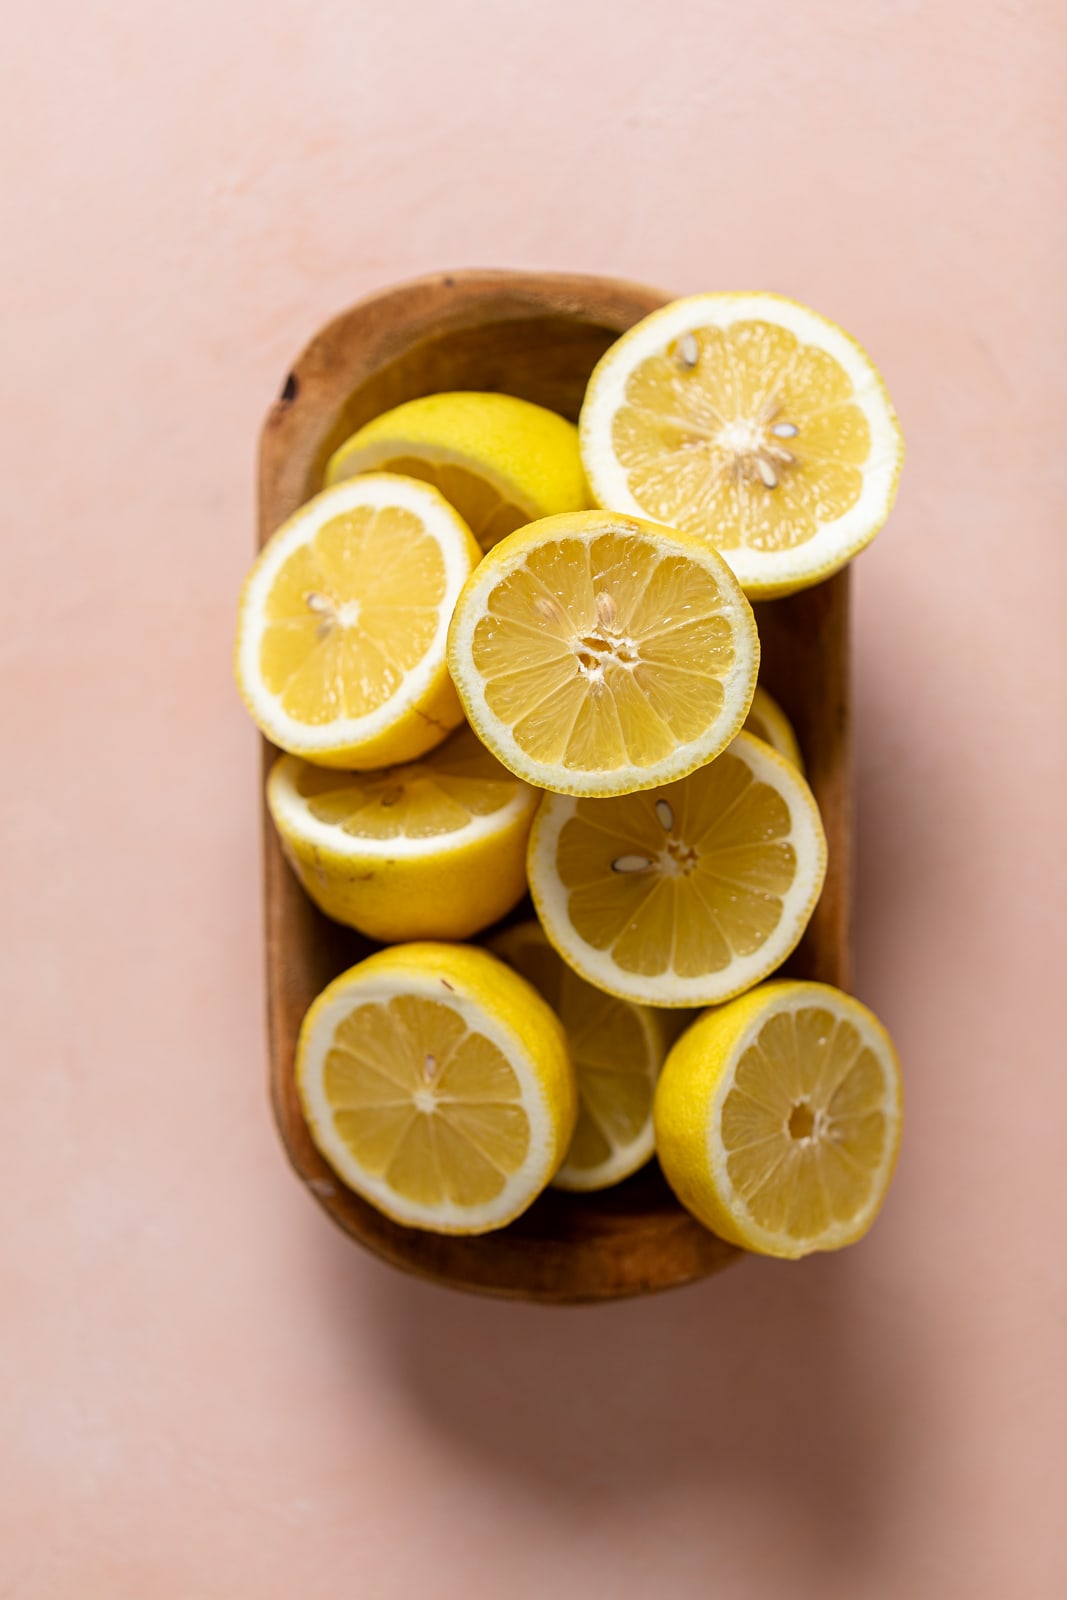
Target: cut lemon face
(433,849)
(501,461)
(751,422)
(437,1084)
(688,895)
(778,1119)
(618,1049)
(343,623)
(768,722)
(599,655)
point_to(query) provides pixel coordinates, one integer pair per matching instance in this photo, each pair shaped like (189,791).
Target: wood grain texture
(537,336)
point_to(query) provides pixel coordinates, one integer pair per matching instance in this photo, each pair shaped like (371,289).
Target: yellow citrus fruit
(597,654)
(618,1049)
(768,722)
(778,1118)
(500,461)
(438,1084)
(343,623)
(432,849)
(752,422)
(688,894)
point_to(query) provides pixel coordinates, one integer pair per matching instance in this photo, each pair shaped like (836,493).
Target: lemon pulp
(804,1125)
(426,799)
(351,613)
(768,722)
(745,435)
(618,1048)
(603,650)
(427,1105)
(438,1084)
(687,894)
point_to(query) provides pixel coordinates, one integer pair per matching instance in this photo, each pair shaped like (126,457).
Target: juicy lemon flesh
(767,721)
(684,878)
(423,1102)
(351,613)
(615,1059)
(417,800)
(757,444)
(616,1079)
(804,1125)
(755,724)
(488,513)
(604,653)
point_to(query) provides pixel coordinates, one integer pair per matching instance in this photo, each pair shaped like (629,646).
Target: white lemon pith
(432,849)
(752,422)
(438,1084)
(597,654)
(618,1049)
(767,721)
(500,461)
(343,623)
(688,894)
(778,1118)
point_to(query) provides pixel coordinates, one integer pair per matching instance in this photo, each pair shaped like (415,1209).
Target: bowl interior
(538,338)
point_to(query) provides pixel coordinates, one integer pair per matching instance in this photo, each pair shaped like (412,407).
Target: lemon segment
(778,1118)
(618,1049)
(752,422)
(767,721)
(501,461)
(688,894)
(438,1084)
(599,655)
(432,849)
(343,622)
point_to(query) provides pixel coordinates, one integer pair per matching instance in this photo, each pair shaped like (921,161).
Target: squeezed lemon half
(768,722)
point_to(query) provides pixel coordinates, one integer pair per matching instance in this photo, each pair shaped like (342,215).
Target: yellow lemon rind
(527,454)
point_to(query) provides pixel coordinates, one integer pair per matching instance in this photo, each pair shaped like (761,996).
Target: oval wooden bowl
(537,335)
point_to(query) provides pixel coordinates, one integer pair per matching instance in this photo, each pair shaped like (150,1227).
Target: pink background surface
(206,1390)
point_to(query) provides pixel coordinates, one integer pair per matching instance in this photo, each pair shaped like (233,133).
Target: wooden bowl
(537,335)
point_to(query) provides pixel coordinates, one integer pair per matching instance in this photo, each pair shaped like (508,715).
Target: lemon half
(687,894)
(752,422)
(778,1118)
(343,622)
(597,654)
(438,1084)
